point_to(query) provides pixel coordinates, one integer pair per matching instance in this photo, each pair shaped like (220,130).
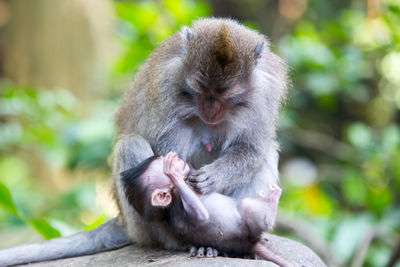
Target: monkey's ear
(160,198)
(258,50)
(186,34)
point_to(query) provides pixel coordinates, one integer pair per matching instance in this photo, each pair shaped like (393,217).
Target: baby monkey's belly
(224,231)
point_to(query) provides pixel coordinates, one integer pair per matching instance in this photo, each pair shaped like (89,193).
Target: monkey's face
(215,99)
(157,183)
(212,109)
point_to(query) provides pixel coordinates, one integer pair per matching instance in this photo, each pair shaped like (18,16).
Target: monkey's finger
(169,154)
(193,251)
(209,252)
(170,160)
(198,178)
(184,166)
(175,162)
(167,159)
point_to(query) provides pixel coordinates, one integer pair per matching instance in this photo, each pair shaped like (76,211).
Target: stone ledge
(134,255)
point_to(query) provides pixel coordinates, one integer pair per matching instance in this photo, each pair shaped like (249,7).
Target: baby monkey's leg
(272,198)
(259,213)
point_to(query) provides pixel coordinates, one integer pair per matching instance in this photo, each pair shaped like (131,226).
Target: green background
(64,66)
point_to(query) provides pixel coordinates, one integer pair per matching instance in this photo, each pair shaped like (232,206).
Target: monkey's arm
(190,200)
(129,151)
(235,167)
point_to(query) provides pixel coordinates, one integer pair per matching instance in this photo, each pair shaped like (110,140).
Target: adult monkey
(212,93)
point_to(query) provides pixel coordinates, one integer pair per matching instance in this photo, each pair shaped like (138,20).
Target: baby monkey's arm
(177,170)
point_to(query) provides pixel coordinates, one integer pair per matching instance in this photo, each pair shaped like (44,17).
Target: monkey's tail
(107,236)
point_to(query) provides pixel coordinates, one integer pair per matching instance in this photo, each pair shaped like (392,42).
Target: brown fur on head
(220,57)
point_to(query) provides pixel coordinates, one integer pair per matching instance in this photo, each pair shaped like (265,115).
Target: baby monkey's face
(158,177)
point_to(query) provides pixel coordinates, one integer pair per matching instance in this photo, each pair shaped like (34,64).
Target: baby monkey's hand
(174,166)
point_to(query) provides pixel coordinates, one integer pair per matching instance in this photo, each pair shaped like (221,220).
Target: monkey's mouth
(210,122)
(212,112)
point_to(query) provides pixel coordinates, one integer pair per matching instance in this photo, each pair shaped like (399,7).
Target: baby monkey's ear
(160,198)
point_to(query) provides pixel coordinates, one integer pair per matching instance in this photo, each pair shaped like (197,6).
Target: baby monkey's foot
(199,252)
(273,194)
(272,199)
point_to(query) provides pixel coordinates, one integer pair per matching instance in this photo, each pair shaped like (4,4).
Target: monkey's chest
(203,149)
(194,143)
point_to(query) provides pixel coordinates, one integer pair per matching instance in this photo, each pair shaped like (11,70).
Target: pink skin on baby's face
(159,182)
(155,175)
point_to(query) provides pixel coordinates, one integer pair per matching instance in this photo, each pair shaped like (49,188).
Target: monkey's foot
(273,194)
(199,252)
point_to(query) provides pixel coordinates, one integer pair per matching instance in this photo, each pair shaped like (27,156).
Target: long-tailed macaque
(212,93)
(158,191)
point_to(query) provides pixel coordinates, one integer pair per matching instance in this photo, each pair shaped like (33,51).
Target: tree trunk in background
(52,44)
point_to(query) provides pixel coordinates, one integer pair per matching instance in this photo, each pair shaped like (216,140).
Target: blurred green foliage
(39,135)
(144,24)
(340,135)
(342,116)
(48,137)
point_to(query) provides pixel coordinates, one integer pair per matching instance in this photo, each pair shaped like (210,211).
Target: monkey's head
(220,58)
(147,188)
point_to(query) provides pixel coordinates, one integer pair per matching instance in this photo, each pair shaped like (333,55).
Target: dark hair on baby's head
(130,176)
(137,193)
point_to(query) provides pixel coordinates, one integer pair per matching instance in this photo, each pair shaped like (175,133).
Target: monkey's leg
(129,151)
(259,250)
(266,174)
(272,198)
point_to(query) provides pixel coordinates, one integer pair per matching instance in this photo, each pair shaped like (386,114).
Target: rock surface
(136,256)
(133,255)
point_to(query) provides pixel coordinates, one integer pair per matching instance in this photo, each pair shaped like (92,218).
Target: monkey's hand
(235,168)
(174,166)
(202,180)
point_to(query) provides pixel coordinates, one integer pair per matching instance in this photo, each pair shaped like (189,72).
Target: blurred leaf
(44,228)
(6,200)
(349,232)
(353,187)
(360,135)
(317,201)
(377,201)
(100,220)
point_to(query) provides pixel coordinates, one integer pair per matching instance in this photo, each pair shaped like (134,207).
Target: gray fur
(244,156)
(105,237)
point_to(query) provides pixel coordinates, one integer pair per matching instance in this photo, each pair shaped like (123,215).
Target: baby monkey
(158,191)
